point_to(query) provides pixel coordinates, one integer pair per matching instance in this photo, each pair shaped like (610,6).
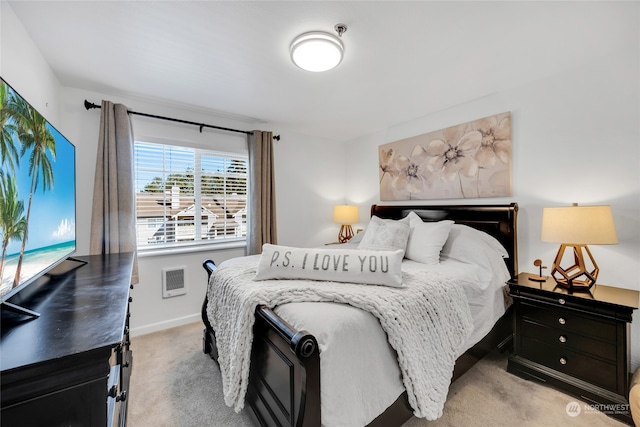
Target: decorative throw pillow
(337,265)
(386,235)
(426,239)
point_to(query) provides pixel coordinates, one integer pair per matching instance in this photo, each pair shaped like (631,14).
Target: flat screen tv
(37,197)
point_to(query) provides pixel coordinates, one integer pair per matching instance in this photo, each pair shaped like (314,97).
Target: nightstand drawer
(569,320)
(569,362)
(568,340)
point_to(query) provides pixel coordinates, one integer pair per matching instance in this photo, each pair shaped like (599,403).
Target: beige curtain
(113,220)
(262,192)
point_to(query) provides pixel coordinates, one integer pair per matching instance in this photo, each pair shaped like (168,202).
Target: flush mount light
(317,50)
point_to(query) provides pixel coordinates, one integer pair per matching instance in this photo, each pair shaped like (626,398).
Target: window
(187,196)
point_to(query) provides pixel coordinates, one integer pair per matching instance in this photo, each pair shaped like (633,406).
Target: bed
(285,367)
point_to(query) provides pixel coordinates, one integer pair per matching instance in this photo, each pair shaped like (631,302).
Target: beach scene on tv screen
(37,193)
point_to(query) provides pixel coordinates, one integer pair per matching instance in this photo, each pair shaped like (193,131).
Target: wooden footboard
(284,383)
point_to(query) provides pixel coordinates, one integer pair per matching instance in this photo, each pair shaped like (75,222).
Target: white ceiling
(403,60)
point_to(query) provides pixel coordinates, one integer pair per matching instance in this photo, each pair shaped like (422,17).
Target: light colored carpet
(174,384)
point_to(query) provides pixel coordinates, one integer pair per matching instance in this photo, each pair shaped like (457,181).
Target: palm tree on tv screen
(13,223)
(36,140)
(8,150)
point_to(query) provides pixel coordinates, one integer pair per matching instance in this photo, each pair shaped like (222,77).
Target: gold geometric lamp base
(576,277)
(345,215)
(346,233)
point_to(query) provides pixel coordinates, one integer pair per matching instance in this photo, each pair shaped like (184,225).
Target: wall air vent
(174,282)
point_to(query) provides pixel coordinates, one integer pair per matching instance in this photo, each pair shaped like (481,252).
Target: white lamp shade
(317,51)
(579,225)
(345,214)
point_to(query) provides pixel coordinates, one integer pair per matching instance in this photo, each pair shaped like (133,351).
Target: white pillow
(386,235)
(466,244)
(426,239)
(371,267)
(414,219)
(464,241)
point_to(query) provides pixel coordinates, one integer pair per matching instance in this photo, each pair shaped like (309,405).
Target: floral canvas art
(469,160)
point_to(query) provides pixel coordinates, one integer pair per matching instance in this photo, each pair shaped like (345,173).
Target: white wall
(25,69)
(576,138)
(310,174)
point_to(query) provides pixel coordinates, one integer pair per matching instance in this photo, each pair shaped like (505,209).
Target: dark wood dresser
(70,366)
(578,343)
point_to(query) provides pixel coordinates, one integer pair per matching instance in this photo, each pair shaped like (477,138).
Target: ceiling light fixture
(317,50)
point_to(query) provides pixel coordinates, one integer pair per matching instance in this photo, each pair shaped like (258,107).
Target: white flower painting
(469,160)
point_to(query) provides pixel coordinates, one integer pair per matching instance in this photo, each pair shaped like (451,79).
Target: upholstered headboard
(500,221)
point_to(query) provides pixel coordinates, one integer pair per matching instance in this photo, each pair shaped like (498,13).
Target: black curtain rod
(90,105)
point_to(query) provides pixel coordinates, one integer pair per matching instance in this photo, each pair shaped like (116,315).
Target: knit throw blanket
(427,321)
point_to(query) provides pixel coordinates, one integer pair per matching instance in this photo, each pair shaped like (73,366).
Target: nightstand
(578,343)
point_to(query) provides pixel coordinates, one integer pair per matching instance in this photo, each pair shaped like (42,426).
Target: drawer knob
(563,361)
(562,321)
(562,339)
(113,391)
(562,301)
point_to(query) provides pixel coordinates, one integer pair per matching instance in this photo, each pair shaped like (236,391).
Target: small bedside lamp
(576,227)
(345,215)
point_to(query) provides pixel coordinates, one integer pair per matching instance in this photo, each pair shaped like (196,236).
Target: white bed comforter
(427,323)
(359,371)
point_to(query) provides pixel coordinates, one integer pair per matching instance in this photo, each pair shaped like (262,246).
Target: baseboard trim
(166,324)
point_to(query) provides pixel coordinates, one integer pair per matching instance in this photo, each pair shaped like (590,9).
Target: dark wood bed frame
(284,384)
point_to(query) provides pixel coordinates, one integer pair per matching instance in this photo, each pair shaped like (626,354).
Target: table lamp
(576,227)
(345,215)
